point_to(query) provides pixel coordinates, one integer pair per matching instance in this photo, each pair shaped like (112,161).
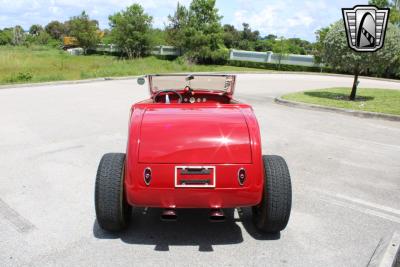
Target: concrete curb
(19,85)
(387,253)
(319,74)
(356,113)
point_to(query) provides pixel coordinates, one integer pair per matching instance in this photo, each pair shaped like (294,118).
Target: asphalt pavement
(345,173)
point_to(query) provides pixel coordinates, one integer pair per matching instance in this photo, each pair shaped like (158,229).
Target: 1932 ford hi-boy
(191,145)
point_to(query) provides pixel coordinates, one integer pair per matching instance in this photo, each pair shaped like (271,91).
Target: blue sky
(289,18)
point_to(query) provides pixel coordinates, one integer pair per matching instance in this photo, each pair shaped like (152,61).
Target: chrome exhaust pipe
(168,215)
(217,215)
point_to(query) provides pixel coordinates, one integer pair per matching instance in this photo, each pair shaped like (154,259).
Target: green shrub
(181,60)
(20,77)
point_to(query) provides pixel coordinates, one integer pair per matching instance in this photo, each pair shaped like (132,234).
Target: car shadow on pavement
(245,217)
(191,229)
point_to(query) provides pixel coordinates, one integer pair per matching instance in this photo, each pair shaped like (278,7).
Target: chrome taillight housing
(241,176)
(147,176)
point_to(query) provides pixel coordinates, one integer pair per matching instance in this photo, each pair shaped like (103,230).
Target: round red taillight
(147,176)
(241,176)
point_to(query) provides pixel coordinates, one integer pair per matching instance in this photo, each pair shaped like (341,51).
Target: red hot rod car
(191,145)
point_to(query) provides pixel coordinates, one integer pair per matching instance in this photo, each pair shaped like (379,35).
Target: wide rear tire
(273,212)
(112,210)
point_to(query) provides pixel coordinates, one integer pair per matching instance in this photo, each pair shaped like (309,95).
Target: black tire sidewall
(112,210)
(273,212)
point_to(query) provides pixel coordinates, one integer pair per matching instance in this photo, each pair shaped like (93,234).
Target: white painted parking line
(370,204)
(359,201)
(361,207)
(20,223)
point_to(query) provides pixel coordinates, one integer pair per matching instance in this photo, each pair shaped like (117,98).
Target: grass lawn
(42,64)
(374,100)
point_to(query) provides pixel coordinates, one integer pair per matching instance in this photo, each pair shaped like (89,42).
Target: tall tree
(248,38)
(339,56)
(130,30)
(84,30)
(6,36)
(379,3)
(35,29)
(394,6)
(18,35)
(264,45)
(319,46)
(200,32)
(248,34)
(56,29)
(299,46)
(270,37)
(158,37)
(177,25)
(231,36)
(281,47)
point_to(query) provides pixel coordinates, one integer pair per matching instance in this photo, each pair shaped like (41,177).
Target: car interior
(190,89)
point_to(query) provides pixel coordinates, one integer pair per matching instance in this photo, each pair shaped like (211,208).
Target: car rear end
(193,157)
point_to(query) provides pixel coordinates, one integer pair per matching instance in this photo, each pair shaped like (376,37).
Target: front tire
(112,210)
(273,212)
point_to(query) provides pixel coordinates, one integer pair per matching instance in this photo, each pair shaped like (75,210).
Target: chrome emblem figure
(365,27)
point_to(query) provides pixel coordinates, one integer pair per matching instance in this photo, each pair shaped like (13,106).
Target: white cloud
(316,4)
(26,13)
(289,19)
(300,19)
(265,20)
(54,10)
(160,22)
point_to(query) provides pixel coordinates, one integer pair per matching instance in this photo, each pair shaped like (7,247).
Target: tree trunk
(354,89)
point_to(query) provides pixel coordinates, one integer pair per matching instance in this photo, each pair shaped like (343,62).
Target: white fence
(109,48)
(164,50)
(160,50)
(263,57)
(270,57)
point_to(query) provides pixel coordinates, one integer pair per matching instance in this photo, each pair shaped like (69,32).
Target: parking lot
(345,173)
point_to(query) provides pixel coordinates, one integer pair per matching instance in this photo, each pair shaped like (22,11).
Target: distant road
(345,173)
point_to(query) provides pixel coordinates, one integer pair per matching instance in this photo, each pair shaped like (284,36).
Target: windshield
(223,83)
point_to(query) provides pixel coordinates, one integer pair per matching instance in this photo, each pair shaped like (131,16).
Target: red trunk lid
(194,135)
